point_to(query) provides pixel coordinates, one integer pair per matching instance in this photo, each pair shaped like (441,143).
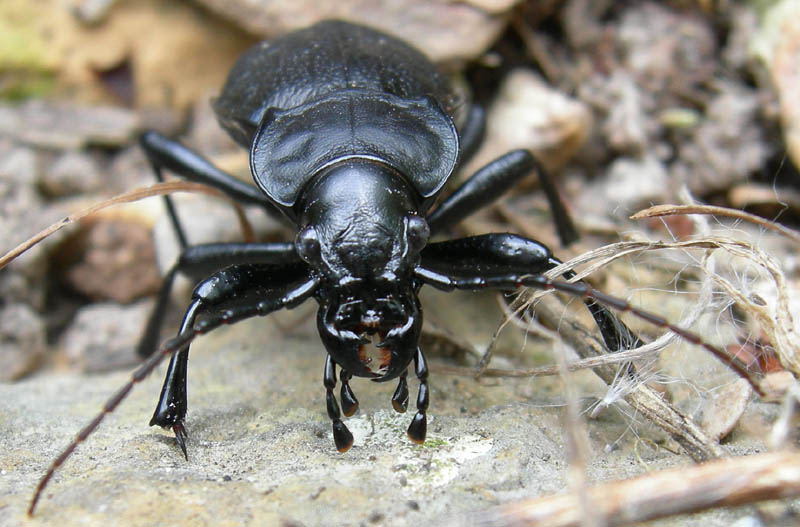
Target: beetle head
(362,234)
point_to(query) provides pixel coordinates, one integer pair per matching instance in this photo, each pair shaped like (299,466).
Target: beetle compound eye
(307,245)
(418,233)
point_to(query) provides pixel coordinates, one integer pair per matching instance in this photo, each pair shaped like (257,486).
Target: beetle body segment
(337,90)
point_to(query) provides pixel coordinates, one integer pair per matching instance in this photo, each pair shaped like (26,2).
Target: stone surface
(726,408)
(110,259)
(21,207)
(530,114)
(73,172)
(64,126)
(260,447)
(628,185)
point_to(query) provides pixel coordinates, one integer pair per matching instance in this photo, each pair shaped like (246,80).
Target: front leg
(418,428)
(498,261)
(255,287)
(171,409)
(342,437)
(492,260)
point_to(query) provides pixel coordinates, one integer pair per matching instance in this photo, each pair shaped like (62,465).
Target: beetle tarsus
(400,397)
(418,428)
(342,436)
(349,401)
(180,437)
(419,425)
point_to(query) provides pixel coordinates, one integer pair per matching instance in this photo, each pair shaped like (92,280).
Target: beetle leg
(492,181)
(221,297)
(288,297)
(445,270)
(171,409)
(349,401)
(419,425)
(400,397)
(471,134)
(167,153)
(341,435)
(202,260)
(506,254)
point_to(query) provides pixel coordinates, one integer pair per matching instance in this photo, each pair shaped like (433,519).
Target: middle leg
(492,181)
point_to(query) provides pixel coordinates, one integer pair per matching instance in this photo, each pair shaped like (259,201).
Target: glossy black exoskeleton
(352,137)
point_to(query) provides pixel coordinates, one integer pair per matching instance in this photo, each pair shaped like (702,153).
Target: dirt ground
(627,104)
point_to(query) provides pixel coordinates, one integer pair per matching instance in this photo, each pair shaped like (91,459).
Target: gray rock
(64,126)
(110,259)
(73,172)
(528,113)
(627,185)
(103,336)
(21,211)
(22,341)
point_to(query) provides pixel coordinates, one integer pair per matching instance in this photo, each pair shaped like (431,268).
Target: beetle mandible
(352,138)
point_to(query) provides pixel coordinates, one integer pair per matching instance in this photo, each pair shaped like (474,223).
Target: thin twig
(723,483)
(670,210)
(159,189)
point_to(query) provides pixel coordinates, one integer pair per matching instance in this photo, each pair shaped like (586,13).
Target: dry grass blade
(725,483)
(777,322)
(159,189)
(643,399)
(544,371)
(614,251)
(671,210)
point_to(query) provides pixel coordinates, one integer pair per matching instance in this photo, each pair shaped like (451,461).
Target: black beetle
(352,137)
